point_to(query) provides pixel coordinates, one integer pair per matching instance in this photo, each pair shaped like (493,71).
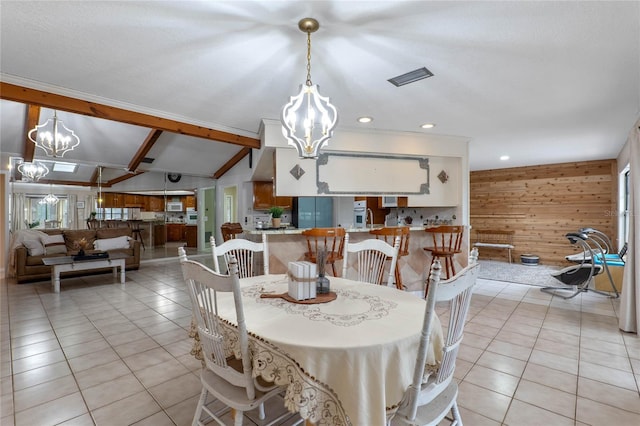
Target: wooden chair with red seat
(329,239)
(388,234)
(446,243)
(230,230)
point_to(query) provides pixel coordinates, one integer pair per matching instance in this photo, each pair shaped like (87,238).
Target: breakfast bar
(289,244)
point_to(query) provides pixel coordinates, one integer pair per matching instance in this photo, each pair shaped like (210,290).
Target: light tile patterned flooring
(111,354)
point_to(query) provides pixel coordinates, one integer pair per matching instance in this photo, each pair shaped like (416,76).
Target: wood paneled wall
(542,203)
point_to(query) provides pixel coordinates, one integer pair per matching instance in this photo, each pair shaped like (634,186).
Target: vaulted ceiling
(187,83)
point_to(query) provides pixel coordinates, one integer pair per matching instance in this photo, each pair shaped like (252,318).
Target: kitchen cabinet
(134,200)
(159,234)
(262,195)
(379,213)
(112,200)
(191,235)
(155,203)
(284,202)
(189,201)
(175,232)
(264,198)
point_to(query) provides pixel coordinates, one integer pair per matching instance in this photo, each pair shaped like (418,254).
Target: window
(625,205)
(42,215)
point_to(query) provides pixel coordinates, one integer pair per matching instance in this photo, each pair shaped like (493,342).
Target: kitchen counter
(153,232)
(288,244)
(297,231)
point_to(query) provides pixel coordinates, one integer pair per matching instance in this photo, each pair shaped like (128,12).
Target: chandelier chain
(308,83)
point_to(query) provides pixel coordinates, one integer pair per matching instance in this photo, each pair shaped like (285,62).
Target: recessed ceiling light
(365,120)
(428,126)
(504,157)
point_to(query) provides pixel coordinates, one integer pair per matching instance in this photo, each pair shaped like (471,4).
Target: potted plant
(276,213)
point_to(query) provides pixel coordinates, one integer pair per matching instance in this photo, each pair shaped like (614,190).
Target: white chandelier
(308,119)
(54,137)
(33,171)
(50,199)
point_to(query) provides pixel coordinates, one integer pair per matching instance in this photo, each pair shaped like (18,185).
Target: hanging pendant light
(33,171)
(50,199)
(54,137)
(308,119)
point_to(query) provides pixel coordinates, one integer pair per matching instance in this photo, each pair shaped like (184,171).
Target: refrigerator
(312,212)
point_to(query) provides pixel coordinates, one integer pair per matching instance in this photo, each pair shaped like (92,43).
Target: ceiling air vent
(410,77)
(148,160)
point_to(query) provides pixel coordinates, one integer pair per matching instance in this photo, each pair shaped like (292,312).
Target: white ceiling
(542,82)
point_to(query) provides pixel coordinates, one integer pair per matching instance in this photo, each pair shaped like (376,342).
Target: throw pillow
(34,247)
(53,244)
(112,243)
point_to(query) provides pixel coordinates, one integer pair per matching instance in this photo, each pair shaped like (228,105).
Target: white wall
(447,153)
(239,176)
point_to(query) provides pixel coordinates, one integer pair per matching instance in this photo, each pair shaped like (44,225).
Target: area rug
(539,275)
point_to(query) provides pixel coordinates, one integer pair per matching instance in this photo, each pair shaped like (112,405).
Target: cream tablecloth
(348,361)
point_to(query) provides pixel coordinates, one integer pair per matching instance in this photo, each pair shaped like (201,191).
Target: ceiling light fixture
(100,187)
(33,171)
(504,157)
(428,126)
(308,119)
(50,199)
(54,137)
(365,120)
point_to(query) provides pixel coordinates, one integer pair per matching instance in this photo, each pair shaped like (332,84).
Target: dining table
(347,361)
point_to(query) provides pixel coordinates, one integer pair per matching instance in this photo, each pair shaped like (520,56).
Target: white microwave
(390,201)
(174,207)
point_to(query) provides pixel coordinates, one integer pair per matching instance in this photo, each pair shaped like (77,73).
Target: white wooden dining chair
(182,254)
(429,399)
(372,255)
(228,379)
(245,253)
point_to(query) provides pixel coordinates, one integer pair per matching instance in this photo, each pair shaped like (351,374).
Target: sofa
(67,242)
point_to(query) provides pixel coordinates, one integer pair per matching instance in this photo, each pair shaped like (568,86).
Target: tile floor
(101,353)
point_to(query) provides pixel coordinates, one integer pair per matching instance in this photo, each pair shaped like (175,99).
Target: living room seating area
(30,247)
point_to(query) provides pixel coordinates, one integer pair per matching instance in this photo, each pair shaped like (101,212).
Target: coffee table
(66,264)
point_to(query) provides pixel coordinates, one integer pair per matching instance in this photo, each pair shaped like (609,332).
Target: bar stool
(446,243)
(388,234)
(230,230)
(136,231)
(329,239)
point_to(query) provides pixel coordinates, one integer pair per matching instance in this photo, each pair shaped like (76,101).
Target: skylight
(64,167)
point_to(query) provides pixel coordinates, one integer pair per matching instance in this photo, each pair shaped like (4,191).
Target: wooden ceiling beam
(95,176)
(16,93)
(151,139)
(67,182)
(29,148)
(229,164)
(121,178)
